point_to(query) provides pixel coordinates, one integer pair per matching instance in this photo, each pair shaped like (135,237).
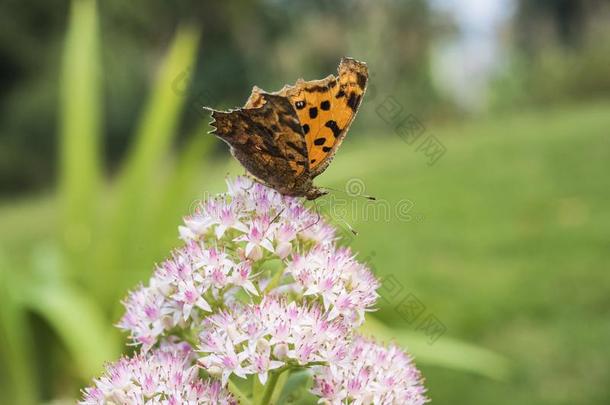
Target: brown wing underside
(325,108)
(267,140)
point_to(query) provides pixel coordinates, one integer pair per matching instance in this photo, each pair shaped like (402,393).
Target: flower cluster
(258,216)
(164,376)
(226,238)
(255,339)
(370,374)
(180,289)
(259,287)
(347,287)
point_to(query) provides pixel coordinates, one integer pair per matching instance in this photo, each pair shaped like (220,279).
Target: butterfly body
(287,138)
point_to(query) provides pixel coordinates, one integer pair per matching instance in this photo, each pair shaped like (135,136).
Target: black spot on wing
(325,105)
(319,141)
(305,129)
(313,112)
(326,148)
(299,105)
(316,89)
(340,94)
(332,124)
(353,101)
(361,80)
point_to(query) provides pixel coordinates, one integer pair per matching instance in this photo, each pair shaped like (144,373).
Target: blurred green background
(504,243)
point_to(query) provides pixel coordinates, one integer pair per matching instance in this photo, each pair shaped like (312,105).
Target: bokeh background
(487,123)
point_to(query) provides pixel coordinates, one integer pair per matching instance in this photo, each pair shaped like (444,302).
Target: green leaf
(72,314)
(18,382)
(158,125)
(238,393)
(79,322)
(129,244)
(444,352)
(80,106)
(279,387)
(257,389)
(296,389)
(180,191)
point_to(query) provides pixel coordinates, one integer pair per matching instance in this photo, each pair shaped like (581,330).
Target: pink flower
(370,374)
(262,337)
(225,239)
(346,288)
(166,375)
(284,236)
(180,291)
(241,277)
(226,216)
(256,238)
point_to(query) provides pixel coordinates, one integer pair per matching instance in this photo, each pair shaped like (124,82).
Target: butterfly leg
(256,180)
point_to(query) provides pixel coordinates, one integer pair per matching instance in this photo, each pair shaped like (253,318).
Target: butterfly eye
(300,105)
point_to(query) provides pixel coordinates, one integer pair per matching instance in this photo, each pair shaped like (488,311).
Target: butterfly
(287,138)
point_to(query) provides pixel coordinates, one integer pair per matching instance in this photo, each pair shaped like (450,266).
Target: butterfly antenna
(347,224)
(365,196)
(313,223)
(341,219)
(277,216)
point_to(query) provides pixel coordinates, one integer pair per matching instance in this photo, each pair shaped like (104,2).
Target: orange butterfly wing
(325,108)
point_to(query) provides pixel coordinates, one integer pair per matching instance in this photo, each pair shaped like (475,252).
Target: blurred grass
(15,341)
(511,254)
(447,353)
(139,185)
(80,129)
(72,272)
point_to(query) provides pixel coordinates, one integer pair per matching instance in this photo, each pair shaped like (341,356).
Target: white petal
(262,377)
(273,364)
(220,230)
(186,233)
(240,227)
(267,245)
(249,287)
(203,304)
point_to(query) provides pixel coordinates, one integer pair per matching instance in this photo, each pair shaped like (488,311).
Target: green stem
(241,397)
(281,382)
(269,388)
(275,281)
